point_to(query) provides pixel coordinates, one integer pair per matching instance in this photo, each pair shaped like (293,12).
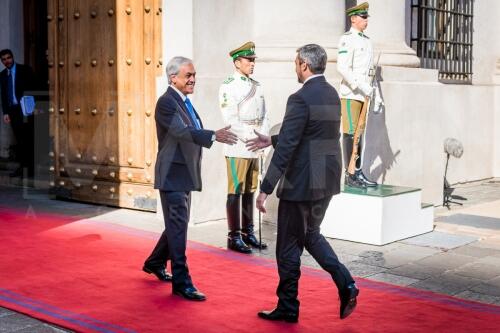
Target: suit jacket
(307,161)
(25,81)
(178,162)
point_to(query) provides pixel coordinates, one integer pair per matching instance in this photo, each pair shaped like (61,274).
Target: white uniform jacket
(242,104)
(354,62)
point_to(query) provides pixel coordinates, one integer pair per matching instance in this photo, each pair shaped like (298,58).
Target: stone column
(387,29)
(280,26)
(177,29)
(496,117)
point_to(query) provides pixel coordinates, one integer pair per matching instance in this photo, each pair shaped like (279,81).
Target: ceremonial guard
(355,64)
(242,105)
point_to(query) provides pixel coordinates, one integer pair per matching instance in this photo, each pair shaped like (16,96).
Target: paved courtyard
(461,257)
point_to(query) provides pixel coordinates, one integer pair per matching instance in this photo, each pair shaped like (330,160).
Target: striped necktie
(192,115)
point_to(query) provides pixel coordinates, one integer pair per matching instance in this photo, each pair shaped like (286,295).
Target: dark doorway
(35,55)
(36,39)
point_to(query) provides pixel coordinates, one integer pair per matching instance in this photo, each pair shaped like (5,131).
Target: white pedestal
(378,215)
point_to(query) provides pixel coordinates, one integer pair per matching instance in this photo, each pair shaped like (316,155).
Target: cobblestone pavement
(461,257)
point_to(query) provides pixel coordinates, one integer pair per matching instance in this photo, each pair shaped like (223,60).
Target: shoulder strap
(250,94)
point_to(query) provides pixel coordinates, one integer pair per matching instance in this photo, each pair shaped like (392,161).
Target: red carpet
(86,276)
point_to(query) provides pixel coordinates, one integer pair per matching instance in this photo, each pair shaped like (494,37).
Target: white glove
(366,89)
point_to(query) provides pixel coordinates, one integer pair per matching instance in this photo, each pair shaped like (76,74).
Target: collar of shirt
(183,97)
(313,76)
(12,70)
(357,32)
(238,75)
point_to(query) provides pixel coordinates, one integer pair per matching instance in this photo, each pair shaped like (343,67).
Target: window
(441,33)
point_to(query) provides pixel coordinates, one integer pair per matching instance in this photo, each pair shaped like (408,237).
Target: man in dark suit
(178,172)
(15,81)
(308,164)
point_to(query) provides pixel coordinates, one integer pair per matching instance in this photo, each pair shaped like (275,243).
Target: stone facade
(405,143)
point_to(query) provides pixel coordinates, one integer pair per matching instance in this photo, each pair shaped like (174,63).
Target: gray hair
(174,66)
(314,56)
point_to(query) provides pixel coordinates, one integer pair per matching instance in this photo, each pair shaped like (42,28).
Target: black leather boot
(359,171)
(353,181)
(347,141)
(361,177)
(350,180)
(234,241)
(247,232)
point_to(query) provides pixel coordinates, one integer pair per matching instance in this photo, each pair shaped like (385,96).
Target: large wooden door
(104,57)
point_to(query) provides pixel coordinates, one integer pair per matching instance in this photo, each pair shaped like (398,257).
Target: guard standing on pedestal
(242,105)
(355,64)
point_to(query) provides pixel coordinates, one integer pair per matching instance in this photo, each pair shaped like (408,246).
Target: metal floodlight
(454,148)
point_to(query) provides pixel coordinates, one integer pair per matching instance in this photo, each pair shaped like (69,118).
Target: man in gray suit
(178,172)
(308,165)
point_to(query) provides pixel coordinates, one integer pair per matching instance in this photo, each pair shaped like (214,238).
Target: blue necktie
(192,115)
(10,88)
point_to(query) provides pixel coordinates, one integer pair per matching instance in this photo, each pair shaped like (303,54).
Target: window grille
(441,33)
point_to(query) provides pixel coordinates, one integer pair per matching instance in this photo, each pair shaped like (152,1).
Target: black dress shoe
(236,244)
(361,176)
(277,314)
(160,273)
(348,300)
(353,181)
(190,293)
(251,240)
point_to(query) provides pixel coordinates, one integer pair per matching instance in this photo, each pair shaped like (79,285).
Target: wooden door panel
(131,92)
(103,62)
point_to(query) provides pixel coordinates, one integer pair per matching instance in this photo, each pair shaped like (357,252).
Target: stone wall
(405,142)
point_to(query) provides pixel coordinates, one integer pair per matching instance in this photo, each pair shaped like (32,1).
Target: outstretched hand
(259,142)
(224,135)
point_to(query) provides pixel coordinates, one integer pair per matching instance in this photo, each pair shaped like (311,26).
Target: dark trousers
(23,128)
(172,243)
(299,227)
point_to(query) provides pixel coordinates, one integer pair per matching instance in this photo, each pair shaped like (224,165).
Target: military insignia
(228,80)
(243,78)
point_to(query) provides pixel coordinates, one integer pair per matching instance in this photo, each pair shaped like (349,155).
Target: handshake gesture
(224,135)
(261,141)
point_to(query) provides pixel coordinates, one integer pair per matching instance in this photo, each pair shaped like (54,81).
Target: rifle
(361,124)
(261,172)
